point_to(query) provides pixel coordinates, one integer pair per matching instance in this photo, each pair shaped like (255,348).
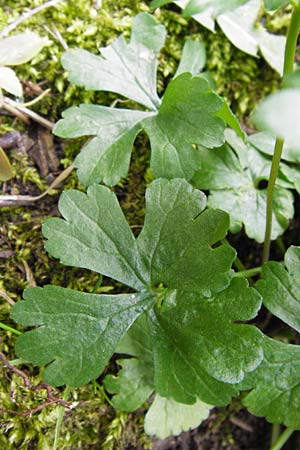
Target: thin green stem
(271,185)
(289,57)
(282,439)
(61,412)
(12,330)
(248,273)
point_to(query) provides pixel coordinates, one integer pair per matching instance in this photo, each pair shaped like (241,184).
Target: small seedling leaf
(20,48)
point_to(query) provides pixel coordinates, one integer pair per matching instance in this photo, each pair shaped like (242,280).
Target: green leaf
(265,142)
(285,124)
(186,117)
(133,385)
(276,383)
(190,333)
(166,417)
(280,288)
(271,5)
(178,263)
(159,3)
(176,242)
(233,181)
(95,236)
(237,19)
(76,333)
(238,26)
(135,381)
(6,172)
(218,6)
(20,48)
(272,48)
(193,58)
(189,114)
(10,82)
(127,69)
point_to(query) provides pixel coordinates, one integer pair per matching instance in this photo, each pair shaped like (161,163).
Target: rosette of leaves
(190,112)
(236,176)
(237,19)
(180,278)
(275,384)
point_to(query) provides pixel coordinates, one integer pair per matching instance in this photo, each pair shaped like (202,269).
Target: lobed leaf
(76,332)
(237,19)
(276,383)
(190,113)
(182,276)
(190,333)
(127,69)
(280,288)
(234,183)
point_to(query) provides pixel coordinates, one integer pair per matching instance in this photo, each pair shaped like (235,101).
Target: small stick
(26,15)
(15,112)
(7,298)
(7,102)
(27,382)
(25,200)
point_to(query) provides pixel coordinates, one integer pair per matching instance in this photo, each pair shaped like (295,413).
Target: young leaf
(10,82)
(285,124)
(190,112)
(276,385)
(6,172)
(76,333)
(234,187)
(166,417)
(280,288)
(20,48)
(173,263)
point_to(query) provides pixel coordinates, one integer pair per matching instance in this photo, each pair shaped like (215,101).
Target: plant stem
(12,330)
(248,273)
(282,439)
(271,185)
(61,411)
(289,57)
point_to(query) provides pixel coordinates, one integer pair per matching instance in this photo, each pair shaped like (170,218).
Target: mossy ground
(93,424)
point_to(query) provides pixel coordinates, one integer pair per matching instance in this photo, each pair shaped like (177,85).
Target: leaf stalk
(282,439)
(289,57)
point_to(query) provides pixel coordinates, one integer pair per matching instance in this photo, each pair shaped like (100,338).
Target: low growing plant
(182,317)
